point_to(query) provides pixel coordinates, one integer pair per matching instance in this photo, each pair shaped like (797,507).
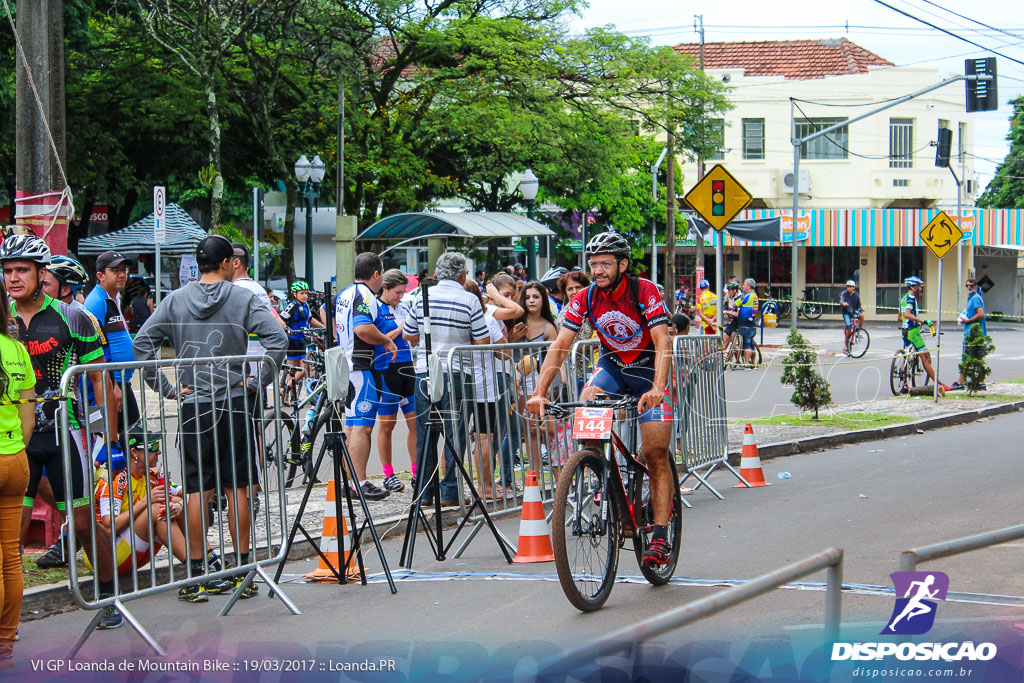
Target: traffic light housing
(718,198)
(943,146)
(981,95)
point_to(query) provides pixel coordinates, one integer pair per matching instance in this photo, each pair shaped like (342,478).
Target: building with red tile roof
(791,59)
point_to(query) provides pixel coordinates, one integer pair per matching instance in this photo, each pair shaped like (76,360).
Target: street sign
(159,218)
(718,197)
(941,234)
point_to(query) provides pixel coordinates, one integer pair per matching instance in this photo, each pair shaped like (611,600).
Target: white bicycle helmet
(553,274)
(25,248)
(609,242)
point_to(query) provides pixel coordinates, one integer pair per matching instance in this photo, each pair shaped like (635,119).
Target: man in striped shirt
(456,318)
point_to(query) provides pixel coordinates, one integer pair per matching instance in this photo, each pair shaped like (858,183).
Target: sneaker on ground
(111,617)
(658,553)
(219,586)
(394,484)
(946,388)
(196,593)
(52,558)
(251,591)
(256,504)
(373,492)
(956,386)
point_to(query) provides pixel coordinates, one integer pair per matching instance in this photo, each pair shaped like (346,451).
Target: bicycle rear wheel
(275,448)
(658,576)
(811,311)
(898,379)
(918,375)
(586,547)
(859,343)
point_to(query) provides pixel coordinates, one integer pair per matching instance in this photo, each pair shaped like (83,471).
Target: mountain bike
(734,357)
(602,499)
(782,306)
(907,370)
(858,342)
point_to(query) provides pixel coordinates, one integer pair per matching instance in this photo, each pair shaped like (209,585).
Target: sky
(885,32)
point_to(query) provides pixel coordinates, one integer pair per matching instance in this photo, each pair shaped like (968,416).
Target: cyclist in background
(297,318)
(631,322)
(912,325)
(747,309)
(730,313)
(849,300)
(707,307)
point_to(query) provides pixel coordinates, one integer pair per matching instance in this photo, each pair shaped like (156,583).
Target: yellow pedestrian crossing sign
(941,234)
(718,197)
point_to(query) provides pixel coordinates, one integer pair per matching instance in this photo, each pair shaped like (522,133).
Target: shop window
(893,266)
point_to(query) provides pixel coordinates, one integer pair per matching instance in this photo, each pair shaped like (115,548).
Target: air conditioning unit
(805,182)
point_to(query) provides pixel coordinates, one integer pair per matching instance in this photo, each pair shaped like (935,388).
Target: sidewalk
(913,408)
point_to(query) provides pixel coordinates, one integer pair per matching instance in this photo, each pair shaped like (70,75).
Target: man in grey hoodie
(212,318)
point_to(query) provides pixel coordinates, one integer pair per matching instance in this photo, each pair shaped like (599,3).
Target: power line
(993,28)
(947,31)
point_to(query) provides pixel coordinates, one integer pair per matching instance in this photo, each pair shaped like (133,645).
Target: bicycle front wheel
(585,532)
(660,575)
(859,343)
(276,446)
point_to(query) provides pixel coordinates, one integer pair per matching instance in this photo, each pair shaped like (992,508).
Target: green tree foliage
(1006,190)
(810,389)
(972,365)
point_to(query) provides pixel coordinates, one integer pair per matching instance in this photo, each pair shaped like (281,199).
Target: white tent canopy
(183,234)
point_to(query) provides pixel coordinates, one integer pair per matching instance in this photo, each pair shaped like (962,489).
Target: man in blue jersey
(358,323)
(104,302)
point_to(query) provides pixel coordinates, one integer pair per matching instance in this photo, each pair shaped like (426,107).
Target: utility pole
(39,123)
(345,227)
(698,26)
(670,215)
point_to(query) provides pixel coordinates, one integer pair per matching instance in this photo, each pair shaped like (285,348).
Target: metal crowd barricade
(701,428)
(178,415)
(495,436)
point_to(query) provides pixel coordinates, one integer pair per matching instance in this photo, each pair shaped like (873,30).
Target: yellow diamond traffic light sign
(941,234)
(718,197)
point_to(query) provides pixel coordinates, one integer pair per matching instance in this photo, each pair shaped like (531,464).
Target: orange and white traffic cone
(750,461)
(534,539)
(329,544)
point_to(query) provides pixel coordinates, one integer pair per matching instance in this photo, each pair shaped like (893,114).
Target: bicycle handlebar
(561,410)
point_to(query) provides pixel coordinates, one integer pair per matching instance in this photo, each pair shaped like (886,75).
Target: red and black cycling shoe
(658,552)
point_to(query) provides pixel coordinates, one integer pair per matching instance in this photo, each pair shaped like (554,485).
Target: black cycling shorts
(44,451)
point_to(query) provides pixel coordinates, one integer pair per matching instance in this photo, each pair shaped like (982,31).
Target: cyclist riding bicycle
(298,318)
(849,301)
(912,323)
(730,313)
(632,324)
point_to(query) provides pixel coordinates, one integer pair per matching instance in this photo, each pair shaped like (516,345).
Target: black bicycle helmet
(69,271)
(609,242)
(25,248)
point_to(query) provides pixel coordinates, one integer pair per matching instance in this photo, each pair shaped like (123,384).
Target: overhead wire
(975,21)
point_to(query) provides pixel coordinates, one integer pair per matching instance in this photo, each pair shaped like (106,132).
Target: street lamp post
(528,186)
(309,174)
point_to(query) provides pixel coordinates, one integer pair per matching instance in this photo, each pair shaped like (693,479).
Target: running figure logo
(914,613)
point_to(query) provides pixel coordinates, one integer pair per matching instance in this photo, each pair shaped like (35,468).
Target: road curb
(818,443)
(43,601)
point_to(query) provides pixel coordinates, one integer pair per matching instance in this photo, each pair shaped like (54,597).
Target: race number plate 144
(592,424)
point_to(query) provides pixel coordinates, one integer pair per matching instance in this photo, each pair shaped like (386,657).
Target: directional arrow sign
(718,197)
(941,234)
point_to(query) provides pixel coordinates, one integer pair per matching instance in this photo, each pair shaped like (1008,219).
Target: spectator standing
(206,319)
(485,395)
(481,278)
(140,303)
(730,313)
(747,310)
(456,318)
(104,302)
(359,324)
(550,281)
(519,272)
(58,336)
(240,277)
(570,284)
(510,429)
(398,391)
(707,307)
(973,314)
(17,382)
(683,298)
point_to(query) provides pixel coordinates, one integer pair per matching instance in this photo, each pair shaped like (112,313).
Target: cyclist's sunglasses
(153,447)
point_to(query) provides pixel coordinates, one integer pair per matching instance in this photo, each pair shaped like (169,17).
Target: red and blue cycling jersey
(624,331)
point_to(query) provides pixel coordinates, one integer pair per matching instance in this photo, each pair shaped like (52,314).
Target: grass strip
(841,420)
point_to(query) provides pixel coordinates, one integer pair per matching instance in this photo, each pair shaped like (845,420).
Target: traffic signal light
(718,198)
(943,146)
(981,95)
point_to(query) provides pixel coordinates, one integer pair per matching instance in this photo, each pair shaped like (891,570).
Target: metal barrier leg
(89,629)
(833,600)
(140,629)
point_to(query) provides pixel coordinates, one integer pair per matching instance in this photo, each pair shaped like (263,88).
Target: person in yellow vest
(707,307)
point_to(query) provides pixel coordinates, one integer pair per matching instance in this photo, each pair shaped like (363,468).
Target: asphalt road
(472,615)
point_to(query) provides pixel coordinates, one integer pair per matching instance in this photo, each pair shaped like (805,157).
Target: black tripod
(335,440)
(434,428)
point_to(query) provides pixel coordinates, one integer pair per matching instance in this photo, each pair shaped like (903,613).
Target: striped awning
(405,226)
(183,234)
